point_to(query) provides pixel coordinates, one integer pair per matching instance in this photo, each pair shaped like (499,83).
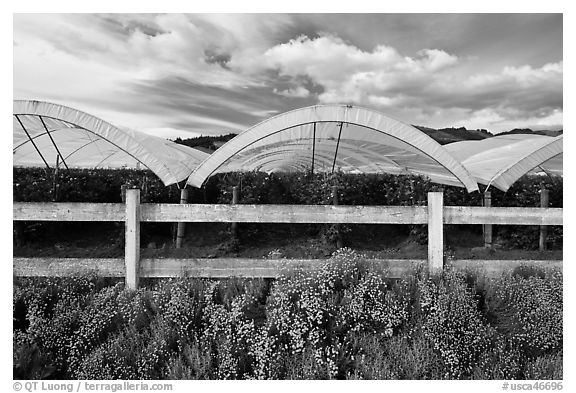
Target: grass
(340,321)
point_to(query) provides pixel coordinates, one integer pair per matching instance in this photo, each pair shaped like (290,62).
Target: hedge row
(101,185)
(340,321)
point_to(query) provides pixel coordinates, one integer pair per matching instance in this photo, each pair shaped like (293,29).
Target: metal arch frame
(475,152)
(277,156)
(504,178)
(91,141)
(256,154)
(298,156)
(299,163)
(365,158)
(88,134)
(333,113)
(281,149)
(99,128)
(55,111)
(32,141)
(40,135)
(280,154)
(53,143)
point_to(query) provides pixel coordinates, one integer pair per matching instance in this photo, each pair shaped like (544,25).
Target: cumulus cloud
(549,76)
(434,80)
(434,59)
(345,72)
(298,91)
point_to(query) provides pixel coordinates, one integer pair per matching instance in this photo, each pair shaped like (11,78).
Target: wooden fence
(435,215)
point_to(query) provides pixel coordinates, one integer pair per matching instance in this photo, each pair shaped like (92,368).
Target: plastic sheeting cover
(46,132)
(501,160)
(328,138)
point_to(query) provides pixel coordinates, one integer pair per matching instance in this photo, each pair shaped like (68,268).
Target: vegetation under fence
(342,320)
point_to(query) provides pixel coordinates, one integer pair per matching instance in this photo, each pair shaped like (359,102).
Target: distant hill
(207,144)
(528,131)
(449,135)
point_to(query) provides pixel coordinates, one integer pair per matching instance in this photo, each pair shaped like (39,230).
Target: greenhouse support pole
(181,229)
(132,243)
(123,189)
(335,202)
(435,232)
(55,180)
(313,147)
(544,201)
(235,199)
(337,145)
(122,234)
(487,227)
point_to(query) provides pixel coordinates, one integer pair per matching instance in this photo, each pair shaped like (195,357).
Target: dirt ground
(296,241)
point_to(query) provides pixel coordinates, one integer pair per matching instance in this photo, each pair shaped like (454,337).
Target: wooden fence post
(335,202)
(435,232)
(544,201)
(181,229)
(487,227)
(235,199)
(132,244)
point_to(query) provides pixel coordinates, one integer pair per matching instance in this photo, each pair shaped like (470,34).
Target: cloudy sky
(186,74)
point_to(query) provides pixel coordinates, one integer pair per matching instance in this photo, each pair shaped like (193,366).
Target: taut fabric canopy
(330,138)
(45,133)
(501,160)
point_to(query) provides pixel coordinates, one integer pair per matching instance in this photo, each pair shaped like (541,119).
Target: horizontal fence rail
(293,214)
(435,215)
(68,211)
(502,215)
